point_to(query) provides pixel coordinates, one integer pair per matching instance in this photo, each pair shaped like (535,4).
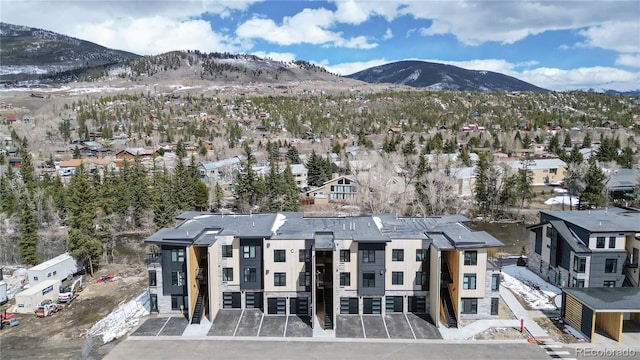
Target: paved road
(168,348)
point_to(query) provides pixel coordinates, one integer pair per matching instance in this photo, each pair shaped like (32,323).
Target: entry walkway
(521,313)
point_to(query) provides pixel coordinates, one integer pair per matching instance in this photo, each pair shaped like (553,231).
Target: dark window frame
(249,251)
(368,279)
(611,266)
(600,240)
(421,254)
(225,274)
(153,278)
(227,251)
(609,283)
(304,255)
(472,280)
(279,279)
(279,255)
(469,305)
(177,278)
(345,255)
(495,282)
(177,255)
(495,306)
(612,242)
(579,264)
(397,278)
(397,254)
(250,274)
(471,257)
(345,278)
(420,278)
(367,255)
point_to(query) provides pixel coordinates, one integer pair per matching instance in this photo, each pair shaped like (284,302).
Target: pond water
(514,236)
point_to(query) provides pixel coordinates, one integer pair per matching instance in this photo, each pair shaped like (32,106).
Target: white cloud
(308,26)
(169,35)
(629,60)
(352,67)
(476,22)
(618,36)
(388,34)
(356,12)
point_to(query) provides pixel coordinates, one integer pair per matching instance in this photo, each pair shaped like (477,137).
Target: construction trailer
(30,299)
(60,267)
(3,293)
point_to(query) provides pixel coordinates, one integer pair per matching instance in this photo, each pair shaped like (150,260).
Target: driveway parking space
(349,326)
(151,326)
(225,323)
(398,326)
(299,326)
(273,325)
(374,327)
(249,323)
(423,327)
(174,327)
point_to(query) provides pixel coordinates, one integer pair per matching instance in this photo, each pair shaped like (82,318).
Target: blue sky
(558,45)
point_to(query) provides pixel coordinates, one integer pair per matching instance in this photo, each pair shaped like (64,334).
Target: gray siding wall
(378,268)
(254,262)
(169,267)
(597,276)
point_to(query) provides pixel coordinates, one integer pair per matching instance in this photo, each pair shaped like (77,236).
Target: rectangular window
(227,274)
(495,282)
(304,279)
(397,255)
(579,264)
(345,255)
(249,252)
(177,278)
(612,242)
(177,302)
(634,256)
(469,306)
(368,256)
(35,278)
(227,251)
(368,280)
(177,255)
(421,254)
(279,255)
(153,281)
(600,242)
(609,283)
(471,257)
(549,230)
(495,305)
(304,255)
(397,278)
(345,279)
(249,274)
(610,266)
(153,303)
(469,282)
(420,278)
(279,279)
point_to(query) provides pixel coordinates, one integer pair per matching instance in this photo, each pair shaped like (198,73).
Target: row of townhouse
(589,248)
(285,263)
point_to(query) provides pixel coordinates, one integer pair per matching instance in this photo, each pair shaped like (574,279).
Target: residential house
(593,248)
(341,189)
(133,153)
(622,184)
(222,171)
(465,178)
(15,162)
(10,118)
(543,171)
(288,264)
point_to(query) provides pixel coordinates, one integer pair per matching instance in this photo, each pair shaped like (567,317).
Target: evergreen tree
(626,158)
(575,156)
(139,192)
(409,148)
(200,193)
(218,197)
(8,194)
(163,204)
(593,194)
(567,141)
(82,243)
(316,170)
(481,189)
(523,186)
(292,155)
(554,144)
(27,170)
(291,192)
(607,151)
(248,188)
(28,235)
(586,141)
(274,189)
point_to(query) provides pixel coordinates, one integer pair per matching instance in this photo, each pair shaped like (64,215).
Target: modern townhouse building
(285,263)
(589,248)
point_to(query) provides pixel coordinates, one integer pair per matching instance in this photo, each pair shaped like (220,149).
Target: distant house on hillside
(10,118)
(132,153)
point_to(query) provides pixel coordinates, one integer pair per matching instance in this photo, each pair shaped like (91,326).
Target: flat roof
(49,263)
(38,287)
(622,299)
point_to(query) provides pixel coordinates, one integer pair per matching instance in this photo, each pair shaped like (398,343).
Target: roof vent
(600,223)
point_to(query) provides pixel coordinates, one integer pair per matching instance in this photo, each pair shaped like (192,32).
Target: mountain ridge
(439,76)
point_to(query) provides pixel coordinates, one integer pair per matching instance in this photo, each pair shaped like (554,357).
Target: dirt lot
(62,335)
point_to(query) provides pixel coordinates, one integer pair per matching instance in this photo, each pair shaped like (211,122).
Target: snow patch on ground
(122,319)
(558,200)
(537,293)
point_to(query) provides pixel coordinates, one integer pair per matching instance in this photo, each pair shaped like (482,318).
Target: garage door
(277,306)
